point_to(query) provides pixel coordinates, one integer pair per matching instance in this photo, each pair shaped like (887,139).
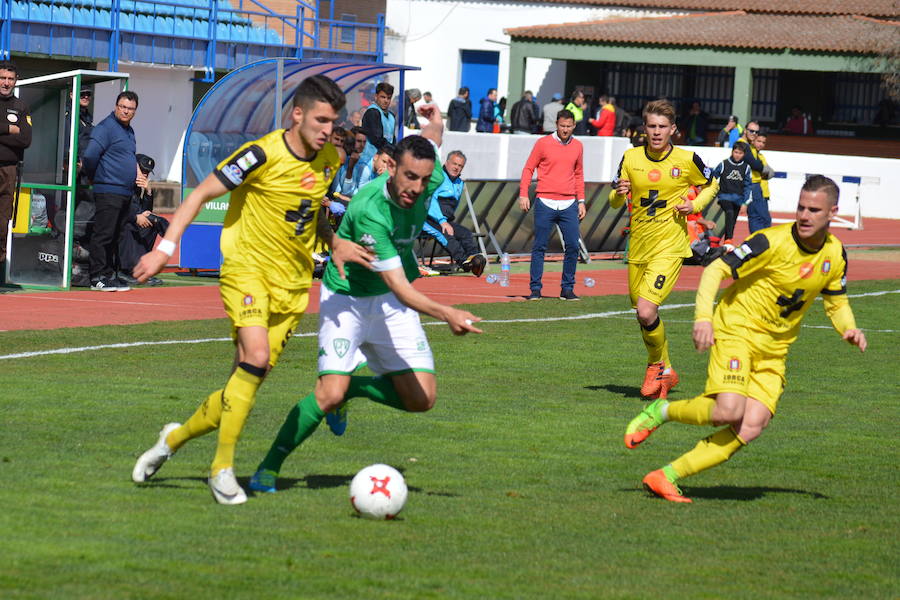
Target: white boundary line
(603,315)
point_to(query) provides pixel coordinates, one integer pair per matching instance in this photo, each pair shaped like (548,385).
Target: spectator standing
(762,212)
(576,107)
(459,113)
(15,137)
(500,123)
(486,118)
(109,161)
(410,121)
(758,209)
(458,240)
(559,200)
(694,125)
(799,122)
(379,123)
(550,110)
(523,119)
(605,123)
(735,179)
(623,118)
(731,133)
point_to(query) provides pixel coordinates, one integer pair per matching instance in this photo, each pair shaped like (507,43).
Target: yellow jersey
(270,226)
(776,280)
(763,183)
(657,186)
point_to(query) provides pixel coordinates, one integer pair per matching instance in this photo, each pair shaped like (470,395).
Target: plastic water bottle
(492,278)
(504,270)
(589,282)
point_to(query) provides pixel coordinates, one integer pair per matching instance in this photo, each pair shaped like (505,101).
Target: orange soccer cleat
(652,379)
(657,483)
(667,381)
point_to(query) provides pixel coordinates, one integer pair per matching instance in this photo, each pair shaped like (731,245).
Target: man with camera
(143,225)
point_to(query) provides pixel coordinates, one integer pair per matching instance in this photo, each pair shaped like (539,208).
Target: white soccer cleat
(150,461)
(225,488)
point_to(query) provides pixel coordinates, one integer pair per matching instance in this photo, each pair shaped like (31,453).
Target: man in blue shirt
(441,220)
(110,161)
(379,123)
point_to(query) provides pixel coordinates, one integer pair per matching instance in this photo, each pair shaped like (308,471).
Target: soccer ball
(378,492)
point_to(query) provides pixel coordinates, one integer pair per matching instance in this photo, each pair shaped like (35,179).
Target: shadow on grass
(318,482)
(626,391)
(732,492)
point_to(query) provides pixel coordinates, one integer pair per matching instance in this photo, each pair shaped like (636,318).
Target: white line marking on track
(603,315)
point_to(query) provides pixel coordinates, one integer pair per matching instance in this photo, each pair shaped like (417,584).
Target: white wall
(493,156)
(430,33)
(164,109)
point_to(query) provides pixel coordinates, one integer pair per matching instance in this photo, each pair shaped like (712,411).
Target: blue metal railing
(208,35)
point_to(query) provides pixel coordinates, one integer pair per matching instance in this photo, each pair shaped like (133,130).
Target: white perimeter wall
(492,156)
(164,110)
(430,34)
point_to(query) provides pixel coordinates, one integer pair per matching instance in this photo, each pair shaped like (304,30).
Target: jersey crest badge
(248,300)
(826,266)
(734,364)
(327,172)
(675,172)
(341,346)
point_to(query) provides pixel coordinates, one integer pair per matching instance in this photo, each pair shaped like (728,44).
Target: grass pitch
(520,484)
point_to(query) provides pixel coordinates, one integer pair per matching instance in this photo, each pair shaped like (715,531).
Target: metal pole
(401,101)
(279,81)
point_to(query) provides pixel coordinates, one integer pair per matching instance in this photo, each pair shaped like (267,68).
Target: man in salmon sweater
(559,200)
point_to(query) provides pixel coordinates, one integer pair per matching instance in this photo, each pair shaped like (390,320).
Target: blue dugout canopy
(248,103)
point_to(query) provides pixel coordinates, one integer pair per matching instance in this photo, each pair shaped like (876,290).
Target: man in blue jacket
(441,220)
(110,161)
(486,117)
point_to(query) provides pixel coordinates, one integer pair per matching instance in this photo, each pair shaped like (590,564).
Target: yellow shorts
(653,280)
(250,301)
(735,366)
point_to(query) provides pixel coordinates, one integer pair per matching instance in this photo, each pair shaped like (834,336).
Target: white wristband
(167,247)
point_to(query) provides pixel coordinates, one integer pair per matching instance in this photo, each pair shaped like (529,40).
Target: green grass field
(520,484)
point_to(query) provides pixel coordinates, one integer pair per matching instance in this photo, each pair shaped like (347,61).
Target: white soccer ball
(378,492)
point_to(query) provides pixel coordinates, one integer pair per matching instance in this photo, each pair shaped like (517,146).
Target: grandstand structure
(205,35)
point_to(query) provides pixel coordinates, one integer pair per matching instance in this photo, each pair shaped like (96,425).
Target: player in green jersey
(372,316)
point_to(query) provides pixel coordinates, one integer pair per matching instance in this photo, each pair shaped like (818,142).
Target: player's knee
(647,315)
(420,401)
(730,414)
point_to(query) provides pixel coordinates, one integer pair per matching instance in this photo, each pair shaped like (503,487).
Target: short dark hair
(319,88)
(385,87)
(457,153)
(8,65)
(129,95)
(419,147)
(565,114)
(743,147)
(491,90)
(338,130)
(463,91)
(817,183)
(356,130)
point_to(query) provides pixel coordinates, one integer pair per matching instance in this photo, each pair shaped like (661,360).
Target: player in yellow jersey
(277,184)
(777,272)
(658,177)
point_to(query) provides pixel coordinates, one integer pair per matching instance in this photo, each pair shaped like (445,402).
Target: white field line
(602,315)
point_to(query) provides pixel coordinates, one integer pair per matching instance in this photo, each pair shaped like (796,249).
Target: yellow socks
(696,411)
(237,401)
(655,340)
(708,452)
(201,422)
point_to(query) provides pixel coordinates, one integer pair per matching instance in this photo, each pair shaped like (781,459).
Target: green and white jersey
(373,220)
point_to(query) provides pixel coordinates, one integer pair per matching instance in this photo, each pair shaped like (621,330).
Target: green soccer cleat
(264,481)
(640,427)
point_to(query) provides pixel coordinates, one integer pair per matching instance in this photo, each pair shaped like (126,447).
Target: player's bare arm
(460,321)
(703,336)
(154,261)
(342,251)
(434,129)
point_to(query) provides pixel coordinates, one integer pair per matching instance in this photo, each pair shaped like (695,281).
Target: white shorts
(379,330)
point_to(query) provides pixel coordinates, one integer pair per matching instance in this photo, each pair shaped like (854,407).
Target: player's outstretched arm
(857,338)
(837,308)
(152,263)
(460,321)
(703,334)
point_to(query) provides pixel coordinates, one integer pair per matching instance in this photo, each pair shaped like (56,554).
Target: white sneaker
(151,460)
(225,488)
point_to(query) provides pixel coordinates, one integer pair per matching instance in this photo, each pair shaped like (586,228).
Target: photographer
(143,225)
